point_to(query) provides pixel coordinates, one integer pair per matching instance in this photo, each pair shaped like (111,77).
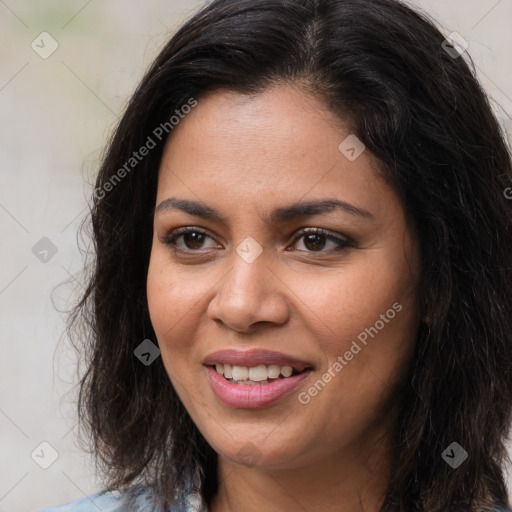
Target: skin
(246,156)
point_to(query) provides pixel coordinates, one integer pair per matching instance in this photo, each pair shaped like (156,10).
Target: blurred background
(66,72)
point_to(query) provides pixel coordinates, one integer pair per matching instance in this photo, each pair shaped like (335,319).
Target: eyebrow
(277,216)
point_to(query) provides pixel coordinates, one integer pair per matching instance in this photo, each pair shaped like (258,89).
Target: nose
(248,295)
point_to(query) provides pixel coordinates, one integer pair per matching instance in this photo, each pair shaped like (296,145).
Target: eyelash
(170,239)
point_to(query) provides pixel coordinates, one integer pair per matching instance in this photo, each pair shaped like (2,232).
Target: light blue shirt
(114,502)
(111,502)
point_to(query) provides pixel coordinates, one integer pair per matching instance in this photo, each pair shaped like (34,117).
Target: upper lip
(255,357)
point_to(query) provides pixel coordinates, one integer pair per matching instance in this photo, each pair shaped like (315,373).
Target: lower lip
(254,396)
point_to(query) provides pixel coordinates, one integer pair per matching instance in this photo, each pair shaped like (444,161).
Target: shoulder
(106,501)
(141,501)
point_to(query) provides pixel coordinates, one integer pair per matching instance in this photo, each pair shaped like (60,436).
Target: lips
(253,396)
(256,357)
(245,393)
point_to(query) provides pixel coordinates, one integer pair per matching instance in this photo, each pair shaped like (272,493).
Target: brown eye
(187,239)
(316,239)
(315,242)
(193,239)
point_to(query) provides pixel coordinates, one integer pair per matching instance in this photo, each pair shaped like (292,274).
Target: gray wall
(56,114)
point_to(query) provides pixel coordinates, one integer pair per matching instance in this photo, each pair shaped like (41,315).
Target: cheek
(372,319)
(343,306)
(375,350)
(171,292)
(170,299)
(177,298)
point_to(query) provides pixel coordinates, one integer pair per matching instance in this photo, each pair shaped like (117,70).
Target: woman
(301,291)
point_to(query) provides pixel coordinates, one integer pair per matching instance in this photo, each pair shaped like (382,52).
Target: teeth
(251,382)
(240,372)
(253,374)
(258,373)
(286,371)
(274,371)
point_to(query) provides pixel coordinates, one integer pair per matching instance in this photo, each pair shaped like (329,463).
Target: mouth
(249,379)
(256,375)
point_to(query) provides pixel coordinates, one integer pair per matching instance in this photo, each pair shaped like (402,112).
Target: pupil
(193,238)
(317,245)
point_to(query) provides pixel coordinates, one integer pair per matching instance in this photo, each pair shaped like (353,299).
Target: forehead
(272,148)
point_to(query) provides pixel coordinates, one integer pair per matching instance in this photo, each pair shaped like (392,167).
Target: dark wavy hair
(381,67)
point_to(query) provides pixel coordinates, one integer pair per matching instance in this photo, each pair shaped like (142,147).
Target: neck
(351,479)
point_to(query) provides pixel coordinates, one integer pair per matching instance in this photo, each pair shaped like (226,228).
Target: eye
(316,239)
(191,239)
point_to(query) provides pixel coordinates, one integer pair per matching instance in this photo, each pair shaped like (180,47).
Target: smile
(255,375)
(247,379)
(247,393)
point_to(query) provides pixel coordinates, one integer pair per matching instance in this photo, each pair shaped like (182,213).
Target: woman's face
(339,305)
